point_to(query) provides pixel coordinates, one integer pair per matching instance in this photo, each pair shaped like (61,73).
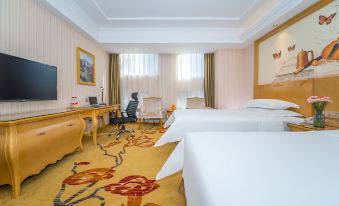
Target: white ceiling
(177,25)
(161,13)
(165,47)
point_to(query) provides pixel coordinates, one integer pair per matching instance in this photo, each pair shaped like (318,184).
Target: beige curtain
(209,80)
(114,79)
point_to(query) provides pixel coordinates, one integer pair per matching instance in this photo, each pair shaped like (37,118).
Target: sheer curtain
(190,77)
(168,78)
(171,77)
(139,72)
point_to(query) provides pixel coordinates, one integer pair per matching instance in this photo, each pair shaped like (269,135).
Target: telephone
(309,120)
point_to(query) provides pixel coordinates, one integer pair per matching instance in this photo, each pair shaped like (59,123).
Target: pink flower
(314,99)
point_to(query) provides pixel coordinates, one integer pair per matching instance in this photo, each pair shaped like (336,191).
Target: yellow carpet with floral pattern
(115,172)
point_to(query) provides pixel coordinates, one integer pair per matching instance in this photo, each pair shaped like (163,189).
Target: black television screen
(22,79)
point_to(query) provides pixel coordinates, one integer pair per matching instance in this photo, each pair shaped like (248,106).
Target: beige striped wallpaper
(29,30)
(234,77)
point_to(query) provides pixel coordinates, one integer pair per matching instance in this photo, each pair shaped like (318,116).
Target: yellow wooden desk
(94,113)
(31,141)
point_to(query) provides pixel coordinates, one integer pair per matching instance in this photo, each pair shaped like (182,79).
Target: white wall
(234,70)
(29,30)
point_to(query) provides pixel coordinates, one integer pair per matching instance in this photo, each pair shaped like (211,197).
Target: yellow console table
(94,113)
(31,141)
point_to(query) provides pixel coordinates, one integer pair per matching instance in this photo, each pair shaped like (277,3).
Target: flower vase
(319,119)
(319,104)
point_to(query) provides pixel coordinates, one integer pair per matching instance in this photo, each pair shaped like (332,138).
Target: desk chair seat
(127,116)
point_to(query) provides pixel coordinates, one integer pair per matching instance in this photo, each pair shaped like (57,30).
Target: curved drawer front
(43,143)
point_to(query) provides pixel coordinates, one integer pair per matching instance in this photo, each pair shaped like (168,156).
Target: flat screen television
(26,80)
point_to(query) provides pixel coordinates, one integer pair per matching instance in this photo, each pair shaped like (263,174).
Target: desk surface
(94,108)
(27,115)
(9,119)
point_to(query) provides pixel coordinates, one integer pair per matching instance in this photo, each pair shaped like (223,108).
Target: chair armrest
(123,113)
(140,109)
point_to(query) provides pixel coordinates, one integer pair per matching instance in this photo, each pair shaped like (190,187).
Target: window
(174,78)
(190,77)
(139,64)
(190,67)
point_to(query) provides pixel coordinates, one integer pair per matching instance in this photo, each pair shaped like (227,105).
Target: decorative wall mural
(306,49)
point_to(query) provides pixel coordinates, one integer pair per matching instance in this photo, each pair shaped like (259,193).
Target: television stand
(31,141)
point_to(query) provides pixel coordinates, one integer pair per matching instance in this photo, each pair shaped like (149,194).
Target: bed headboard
(293,91)
(328,87)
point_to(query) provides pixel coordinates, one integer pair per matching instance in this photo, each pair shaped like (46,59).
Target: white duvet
(262,169)
(195,113)
(182,122)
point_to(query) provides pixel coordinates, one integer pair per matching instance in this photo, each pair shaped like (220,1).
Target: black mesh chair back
(131,110)
(128,115)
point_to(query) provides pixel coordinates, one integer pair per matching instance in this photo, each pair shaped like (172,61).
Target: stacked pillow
(273,107)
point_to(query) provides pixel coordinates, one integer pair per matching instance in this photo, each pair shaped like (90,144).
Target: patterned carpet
(117,173)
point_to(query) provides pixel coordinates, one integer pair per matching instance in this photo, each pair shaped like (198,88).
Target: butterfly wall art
(277,55)
(326,20)
(291,48)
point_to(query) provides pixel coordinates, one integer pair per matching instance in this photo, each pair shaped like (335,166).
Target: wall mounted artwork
(86,67)
(305,47)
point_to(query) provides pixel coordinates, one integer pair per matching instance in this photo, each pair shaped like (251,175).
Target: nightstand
(303,127)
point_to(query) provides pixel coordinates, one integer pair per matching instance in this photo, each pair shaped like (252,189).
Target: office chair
(128,115)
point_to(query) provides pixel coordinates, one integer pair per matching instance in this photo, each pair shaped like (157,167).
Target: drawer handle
(41,133)
(70,125)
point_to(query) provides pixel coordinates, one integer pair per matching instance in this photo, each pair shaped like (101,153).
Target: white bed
(182,122)
(262,169)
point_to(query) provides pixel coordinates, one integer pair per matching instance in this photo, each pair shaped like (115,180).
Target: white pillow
(270,104)
(275,112)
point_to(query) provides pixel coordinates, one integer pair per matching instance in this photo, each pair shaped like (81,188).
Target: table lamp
(102,96)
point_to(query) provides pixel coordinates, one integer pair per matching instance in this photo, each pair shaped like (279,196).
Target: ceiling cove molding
(233,37)
(272,17)
(249,10)
(172,18)
(74,14)
(169,35)
(241,17)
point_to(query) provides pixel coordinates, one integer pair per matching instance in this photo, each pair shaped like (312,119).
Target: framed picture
(86,67)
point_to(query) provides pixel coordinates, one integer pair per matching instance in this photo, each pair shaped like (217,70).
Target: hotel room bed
(182,122)
(262,169)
